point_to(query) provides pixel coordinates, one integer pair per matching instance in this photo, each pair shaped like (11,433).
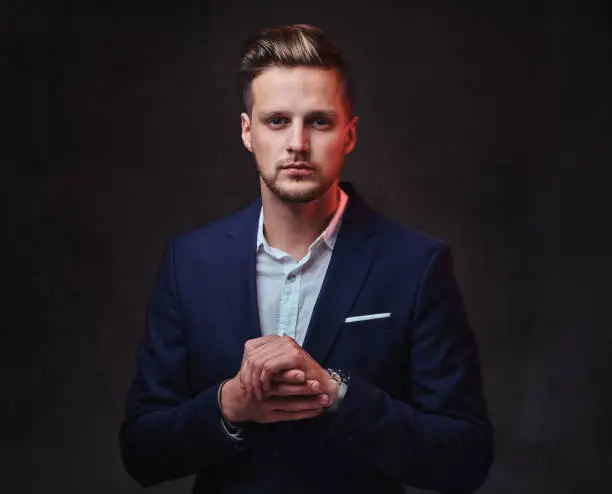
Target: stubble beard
(299,196)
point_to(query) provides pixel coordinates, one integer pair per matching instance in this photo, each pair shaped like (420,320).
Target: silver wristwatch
(342,378)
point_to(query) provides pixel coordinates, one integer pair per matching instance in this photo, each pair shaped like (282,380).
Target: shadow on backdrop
(487,127)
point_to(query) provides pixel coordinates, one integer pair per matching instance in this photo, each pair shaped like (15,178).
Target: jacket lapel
(241,275)
(353,254)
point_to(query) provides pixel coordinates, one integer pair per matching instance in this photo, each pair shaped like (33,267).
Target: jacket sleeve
(169,432)
(440,439)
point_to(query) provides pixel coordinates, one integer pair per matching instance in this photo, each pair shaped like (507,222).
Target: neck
(292,227)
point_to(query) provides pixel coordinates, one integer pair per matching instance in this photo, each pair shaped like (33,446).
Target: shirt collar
(328,236)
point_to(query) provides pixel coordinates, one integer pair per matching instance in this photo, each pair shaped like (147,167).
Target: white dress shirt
(288,289)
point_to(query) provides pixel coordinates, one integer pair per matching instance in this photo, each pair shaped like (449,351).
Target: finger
(263,376)
(268,342)
(311,387)
(258,358)
(259,363)
(255,353)
(249,370)
(252,344)
(292,376)
(282,359)
(295,403)
(245,372)
(306,367)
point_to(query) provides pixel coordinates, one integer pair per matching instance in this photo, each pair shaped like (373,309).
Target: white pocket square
(368,317)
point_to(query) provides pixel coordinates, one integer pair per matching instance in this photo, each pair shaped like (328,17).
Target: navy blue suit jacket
(414,412)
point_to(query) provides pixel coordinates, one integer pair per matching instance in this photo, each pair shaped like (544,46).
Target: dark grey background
(487,125)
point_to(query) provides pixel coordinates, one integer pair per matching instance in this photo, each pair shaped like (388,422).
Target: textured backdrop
(488,126)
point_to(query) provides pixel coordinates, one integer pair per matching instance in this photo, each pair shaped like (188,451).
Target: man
(306,344)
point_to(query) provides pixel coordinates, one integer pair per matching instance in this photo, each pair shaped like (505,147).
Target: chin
(298,191)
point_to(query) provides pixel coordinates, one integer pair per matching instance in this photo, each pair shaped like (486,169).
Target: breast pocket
(372,321)
(365,346)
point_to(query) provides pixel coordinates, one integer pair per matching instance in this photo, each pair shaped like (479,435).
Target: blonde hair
(292,46)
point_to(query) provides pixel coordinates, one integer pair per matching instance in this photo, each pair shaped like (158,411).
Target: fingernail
(314,385)
(324,399)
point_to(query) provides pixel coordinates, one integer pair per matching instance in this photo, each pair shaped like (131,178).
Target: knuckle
(288,341)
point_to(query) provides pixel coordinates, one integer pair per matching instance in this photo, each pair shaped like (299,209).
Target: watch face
(339,375)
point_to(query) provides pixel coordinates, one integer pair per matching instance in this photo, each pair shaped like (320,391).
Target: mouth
(299,169)
(299,165)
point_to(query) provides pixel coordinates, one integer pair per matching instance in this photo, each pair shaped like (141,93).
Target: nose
(298,138)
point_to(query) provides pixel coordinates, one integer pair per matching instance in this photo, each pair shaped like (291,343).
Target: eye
(321,123)
(276,122)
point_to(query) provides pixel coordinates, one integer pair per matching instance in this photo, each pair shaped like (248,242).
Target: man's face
(299,131)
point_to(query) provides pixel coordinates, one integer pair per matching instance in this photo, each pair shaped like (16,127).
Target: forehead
(297,89)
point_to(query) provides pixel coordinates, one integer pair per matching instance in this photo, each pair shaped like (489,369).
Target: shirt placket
(290,302)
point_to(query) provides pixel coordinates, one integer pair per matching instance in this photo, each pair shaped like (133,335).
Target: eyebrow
(265,115)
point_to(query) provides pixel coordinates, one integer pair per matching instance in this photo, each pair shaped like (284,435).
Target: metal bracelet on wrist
(342,378)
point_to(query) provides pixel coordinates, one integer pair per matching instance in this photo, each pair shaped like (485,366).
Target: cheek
(266,145)
(332,147)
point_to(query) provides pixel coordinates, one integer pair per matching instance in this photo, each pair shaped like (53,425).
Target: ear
(351,135)
(245,123)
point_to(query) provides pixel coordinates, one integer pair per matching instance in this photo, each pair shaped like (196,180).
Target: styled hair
(292,46)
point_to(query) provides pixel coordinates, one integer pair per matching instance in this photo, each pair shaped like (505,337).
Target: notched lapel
(352,258)
(240,259)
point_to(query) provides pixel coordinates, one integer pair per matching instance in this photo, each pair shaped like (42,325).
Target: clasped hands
(277,381)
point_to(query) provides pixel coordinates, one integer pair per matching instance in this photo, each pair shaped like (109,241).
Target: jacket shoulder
(207,239)
(399,236)
(220,227)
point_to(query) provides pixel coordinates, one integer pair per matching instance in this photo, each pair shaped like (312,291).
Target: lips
(299,169)
(300,165)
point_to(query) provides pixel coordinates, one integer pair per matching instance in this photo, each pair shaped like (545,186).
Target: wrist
(332,390)
(229,401)
(341,380)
